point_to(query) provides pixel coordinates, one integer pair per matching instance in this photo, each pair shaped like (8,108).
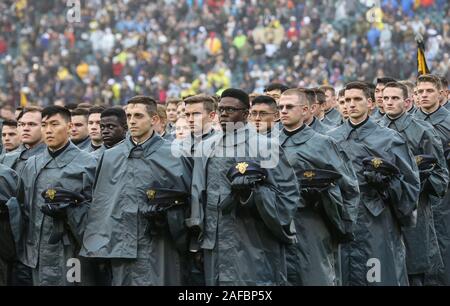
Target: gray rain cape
(332,118)
(126,178)
(243,244)
(20,274)
(8,190)
(73,170)
(440,119)
(16,160)
(377,254)
(422,249)
(319,127)
(85,145)
(311,260)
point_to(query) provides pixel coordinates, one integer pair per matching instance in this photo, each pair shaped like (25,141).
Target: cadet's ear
(211,115)
(408,103)
(276,115)
(370,103)
(305,109)
(155,119)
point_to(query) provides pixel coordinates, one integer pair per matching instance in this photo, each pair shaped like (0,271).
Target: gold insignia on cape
(309,174)
(376,162)
(418,160)
(151,194)
(242,167)
(50,193)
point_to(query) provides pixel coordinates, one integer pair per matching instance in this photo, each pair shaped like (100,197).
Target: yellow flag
(422,67)
(23,99)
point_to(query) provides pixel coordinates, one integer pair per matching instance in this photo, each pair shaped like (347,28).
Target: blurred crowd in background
(169,48)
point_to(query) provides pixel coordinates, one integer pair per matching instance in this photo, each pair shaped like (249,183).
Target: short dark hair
(371,87)
(320,95)
(361,86)
(96,110)
(276,86)
(430,78)
(207,101)
(84,105)
(265,100)
(12,123)
(149,102)
(238,94)
(310,95)
(385,80)
(117,112)
(53,110)
(341,92)
(399,86)
(71,106)
(80,112)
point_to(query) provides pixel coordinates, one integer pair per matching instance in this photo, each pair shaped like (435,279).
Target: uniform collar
(302,136)
(64,158)
(401,123)
(331,112)
(435,117)
(84,143)
(148,147)
(361,131)
(26,153)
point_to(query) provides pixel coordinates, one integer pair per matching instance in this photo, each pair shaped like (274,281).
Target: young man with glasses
(324,217)
(243,201)
(264,114)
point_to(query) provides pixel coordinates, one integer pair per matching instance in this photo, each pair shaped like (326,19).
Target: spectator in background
(79,133)
(124,49)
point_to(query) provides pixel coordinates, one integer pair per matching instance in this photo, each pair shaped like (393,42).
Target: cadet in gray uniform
(136,220)
(79,133)
(244,197)
(51,212)
(310,120)
(324,217)
(264,115)
(389,184)
(113,125)
(429,93)
(29,121)
(378,113)
(422,249)
(95,133)
(332,116)
(8,190)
